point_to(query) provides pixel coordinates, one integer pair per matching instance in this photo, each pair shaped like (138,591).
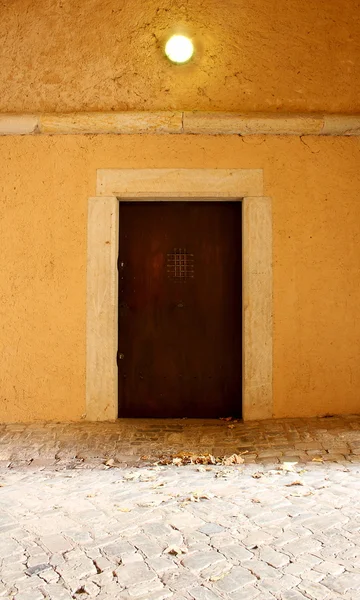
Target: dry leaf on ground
(175,550)
(218,577)
(234,459)
(294,483)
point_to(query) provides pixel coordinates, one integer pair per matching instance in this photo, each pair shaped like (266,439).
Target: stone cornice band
(189,123)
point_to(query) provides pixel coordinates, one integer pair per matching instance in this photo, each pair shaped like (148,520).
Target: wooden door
(180,309)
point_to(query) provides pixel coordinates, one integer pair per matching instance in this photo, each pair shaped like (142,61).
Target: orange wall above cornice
(251,56)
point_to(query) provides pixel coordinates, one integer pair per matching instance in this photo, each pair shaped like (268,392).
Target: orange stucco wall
(45,182)
(103,55)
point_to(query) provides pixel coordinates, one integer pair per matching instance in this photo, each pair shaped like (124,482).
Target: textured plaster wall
(44,186)
(72,55)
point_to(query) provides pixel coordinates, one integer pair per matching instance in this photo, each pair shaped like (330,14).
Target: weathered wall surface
(103,55)
(44,186)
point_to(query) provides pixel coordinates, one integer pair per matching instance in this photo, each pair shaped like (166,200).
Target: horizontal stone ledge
(256,124)
(116,123)
(18,124)
(192,123)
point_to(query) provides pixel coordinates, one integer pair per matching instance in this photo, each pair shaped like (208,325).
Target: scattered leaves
(258,475)
(234,459)
(176,550)
(318,459)
(191,458)
(294,483)
(109,463)
(197,496)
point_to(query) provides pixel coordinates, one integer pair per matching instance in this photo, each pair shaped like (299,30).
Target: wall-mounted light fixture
(179,49)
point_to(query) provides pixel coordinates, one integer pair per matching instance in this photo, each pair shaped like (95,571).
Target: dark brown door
(180,309)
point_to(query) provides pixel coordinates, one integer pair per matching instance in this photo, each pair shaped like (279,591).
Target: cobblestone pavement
(126,441)
(284,525)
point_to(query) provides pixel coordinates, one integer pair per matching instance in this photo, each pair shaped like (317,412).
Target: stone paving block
(157,530)
(247,593)
(159,595)
(236,552)
(161,564)
(118,548)
(286,582)
(29,595)
(342,583)
(185,521)
(211,528)
(198,561)
(262,570)
(49,576)
(178,580)
(315,591)
(237,578)
(296,569)
(271,518)
(217,571)
(150,548)
(38,559)
(303,546)
(329,568)
(292,595)
(77,569)
(257,538)
(144,590)
(131,558)
(323,523)
(136,573)
(9,547)
(202,593)
(273,558)
(57,592)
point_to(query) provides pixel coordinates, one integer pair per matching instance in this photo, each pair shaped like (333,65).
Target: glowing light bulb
(179,49)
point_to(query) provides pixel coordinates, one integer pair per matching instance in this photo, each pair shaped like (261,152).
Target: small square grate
(180,265)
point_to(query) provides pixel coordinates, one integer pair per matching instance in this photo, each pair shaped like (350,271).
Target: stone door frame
(114,185)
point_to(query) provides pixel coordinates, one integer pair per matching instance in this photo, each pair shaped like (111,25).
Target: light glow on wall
(179,49)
